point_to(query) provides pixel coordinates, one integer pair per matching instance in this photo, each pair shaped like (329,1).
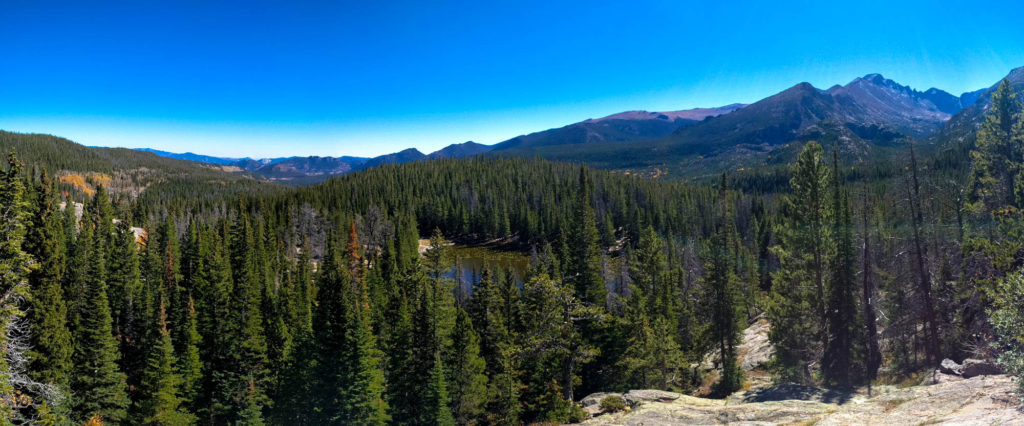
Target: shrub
(612,403)
(1008,320)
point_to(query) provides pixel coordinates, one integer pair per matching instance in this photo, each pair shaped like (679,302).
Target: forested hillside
(315,306)
(126,174)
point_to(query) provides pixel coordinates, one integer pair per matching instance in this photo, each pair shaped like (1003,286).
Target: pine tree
(995,179)
(843,322)
(722,284)
(584,268)
(1008,321)
(190,365)
(15,266)
(796,309)
(402,385)
(873,353)
(487,310)
(469,387)
(51,339)
(98,385)
(555,331)
(349,377)
(248,350)
(161,384)
(133,321)
(365,381)
(187,349)
(216,330)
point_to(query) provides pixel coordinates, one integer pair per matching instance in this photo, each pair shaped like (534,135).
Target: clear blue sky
(364,78)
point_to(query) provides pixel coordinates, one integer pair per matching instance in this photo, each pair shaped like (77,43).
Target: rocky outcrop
(980,400)
(754,350)
(979,367)
(970,368)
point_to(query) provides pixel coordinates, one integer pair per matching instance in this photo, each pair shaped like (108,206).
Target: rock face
(970,368)
(980,400)
(754,350)
(949,366)
(978,367)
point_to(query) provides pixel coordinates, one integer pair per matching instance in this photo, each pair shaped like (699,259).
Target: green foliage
(612,404)
(469,384)
(50,356)
(1008,320)
(15,266)
(796,306)
(98,385)
(274,316)
(161,384)
(722,295)
(996,176)
(584,268)
(842,319)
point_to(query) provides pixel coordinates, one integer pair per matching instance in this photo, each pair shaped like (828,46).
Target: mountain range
(868,116)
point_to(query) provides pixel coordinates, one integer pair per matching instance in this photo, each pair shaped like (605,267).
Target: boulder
(939,377)
(755,351)
(949,366)
(635,397)
(594,399)
(592,403)
(980,367)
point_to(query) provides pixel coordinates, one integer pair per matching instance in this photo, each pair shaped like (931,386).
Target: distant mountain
(404,156)
(969,98)
(874,99)
(696,114)
(302,167)
(244,163)
(869,102)
(962,126)
(867,117)
(629,126)
(459,150)
(192,157)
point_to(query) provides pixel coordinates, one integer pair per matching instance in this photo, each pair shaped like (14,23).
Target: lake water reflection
(469,264)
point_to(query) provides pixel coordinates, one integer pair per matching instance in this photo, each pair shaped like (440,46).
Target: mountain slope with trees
(317,304)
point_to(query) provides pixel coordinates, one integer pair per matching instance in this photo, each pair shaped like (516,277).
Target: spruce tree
(50,356)
(584,269)
(996,176)
(469,386)
(497,347)
(248,350)
(133,321)
(795,310)
(554,332)
(432,400)
(1008,322)
(190,365)
(843,322)
(349,380)
(15,266)
(98,385)
(161,384)
(722,287)
(402,385)
(217,331)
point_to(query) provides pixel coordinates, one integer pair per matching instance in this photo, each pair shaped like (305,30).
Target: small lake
(470,263)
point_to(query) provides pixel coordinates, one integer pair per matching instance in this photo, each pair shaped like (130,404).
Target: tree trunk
(874,359)
(924,280)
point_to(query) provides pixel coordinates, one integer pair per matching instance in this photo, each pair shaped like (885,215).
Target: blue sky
(365,78)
